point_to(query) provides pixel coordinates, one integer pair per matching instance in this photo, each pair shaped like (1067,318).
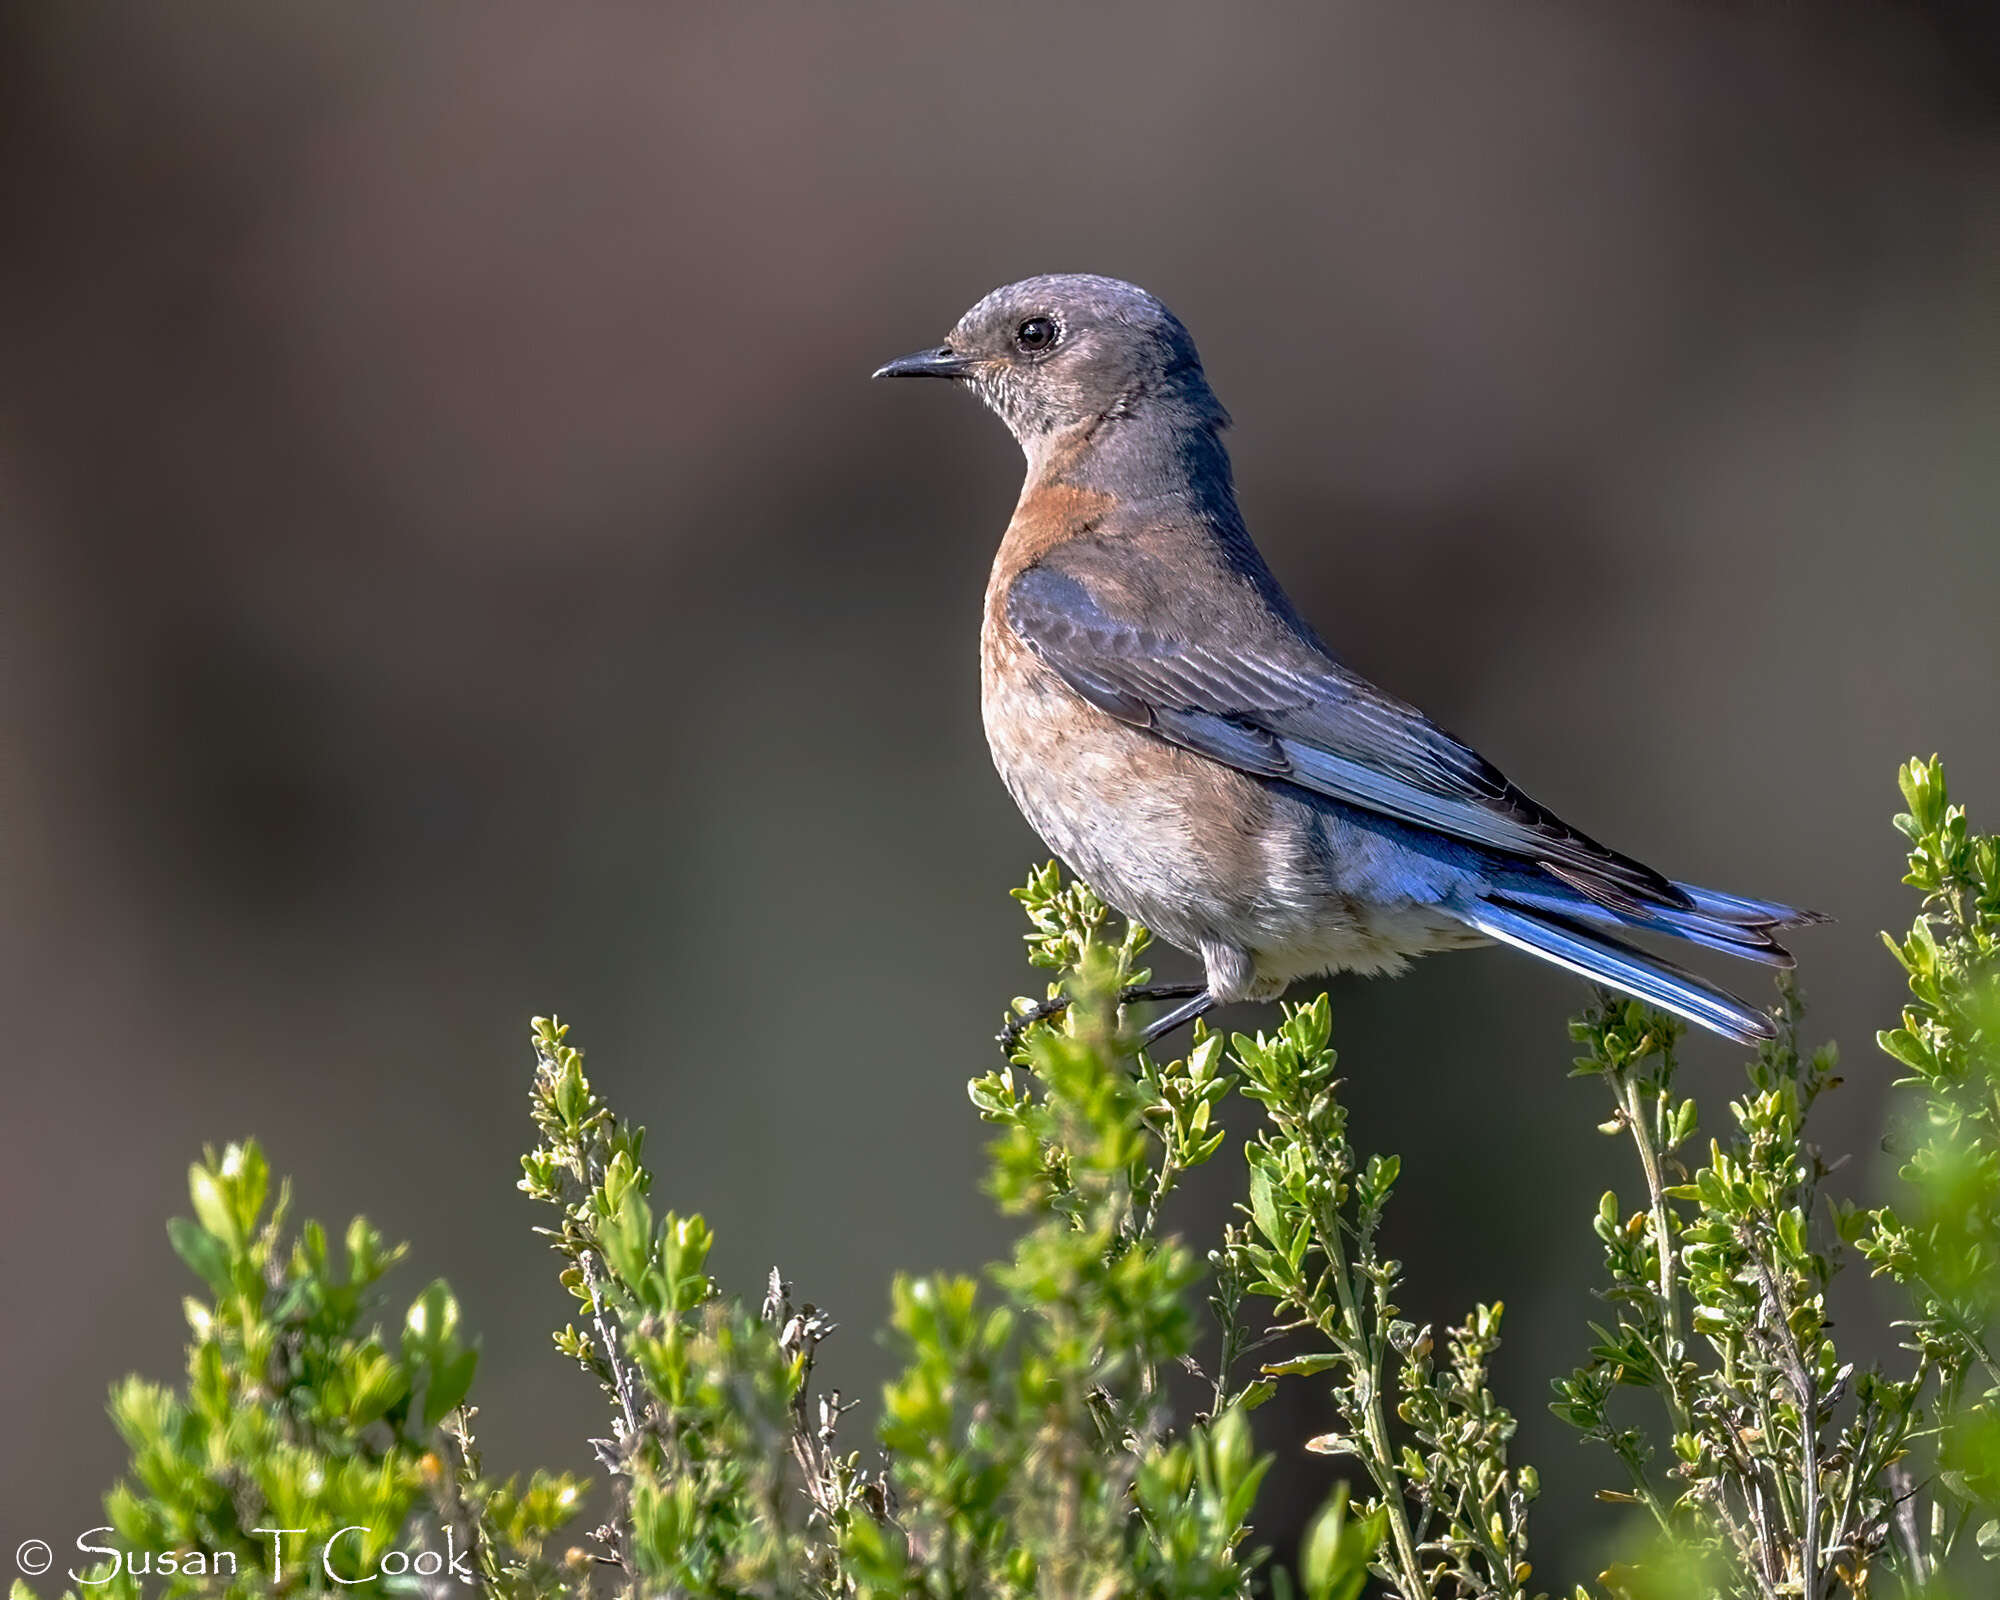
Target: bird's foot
(1042,1011)
(1022,1021)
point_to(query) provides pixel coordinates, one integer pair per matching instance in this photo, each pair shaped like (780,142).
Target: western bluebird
(1177,733)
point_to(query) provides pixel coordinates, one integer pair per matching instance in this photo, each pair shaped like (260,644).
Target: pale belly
(1265,883)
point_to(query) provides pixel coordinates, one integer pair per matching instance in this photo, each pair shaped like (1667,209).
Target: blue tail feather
(1619,966)
(1750,941)
(1749,913)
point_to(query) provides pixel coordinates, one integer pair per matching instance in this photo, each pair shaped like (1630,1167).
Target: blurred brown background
(454,567)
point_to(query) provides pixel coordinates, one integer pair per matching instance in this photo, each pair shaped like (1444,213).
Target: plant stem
(1793,1361)
(1745,1554)
(620,1382)
(1642,1489)
(1631,1105)
(1374,1422)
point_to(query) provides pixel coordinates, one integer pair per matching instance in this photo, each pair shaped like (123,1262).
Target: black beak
(943,362)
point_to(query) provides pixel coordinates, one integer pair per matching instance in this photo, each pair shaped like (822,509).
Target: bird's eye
(1037,333)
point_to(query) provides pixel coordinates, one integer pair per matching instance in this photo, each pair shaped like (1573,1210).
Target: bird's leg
(1057,1004)
(1159,991)
(1160,1027)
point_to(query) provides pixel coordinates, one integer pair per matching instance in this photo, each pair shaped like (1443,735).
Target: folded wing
(1278,707)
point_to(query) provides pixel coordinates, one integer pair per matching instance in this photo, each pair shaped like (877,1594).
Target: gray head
(1070,349)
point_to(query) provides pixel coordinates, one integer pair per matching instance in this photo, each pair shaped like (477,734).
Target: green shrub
(1069,1422)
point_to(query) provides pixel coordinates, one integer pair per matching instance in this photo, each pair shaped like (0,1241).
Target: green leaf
(449,1381)
(1302,1366)
(1264,1207)
(626,1241)
(201,1250)
(1336,1551)
(379,1381)
(430,1330)
(212,1207)
(1255,1395)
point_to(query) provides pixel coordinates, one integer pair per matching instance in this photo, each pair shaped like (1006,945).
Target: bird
(1177,733)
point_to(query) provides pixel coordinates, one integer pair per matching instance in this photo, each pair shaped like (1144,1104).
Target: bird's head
(1067,350)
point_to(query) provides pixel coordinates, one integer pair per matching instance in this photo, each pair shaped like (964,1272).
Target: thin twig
(621,1382)
(1904,1490)
(1374,1424)
(1745,1554)
(1792,1360)
(1766,1568)
(1656,1195)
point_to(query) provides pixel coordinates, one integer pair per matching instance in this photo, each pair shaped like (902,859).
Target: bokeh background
(453,567)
